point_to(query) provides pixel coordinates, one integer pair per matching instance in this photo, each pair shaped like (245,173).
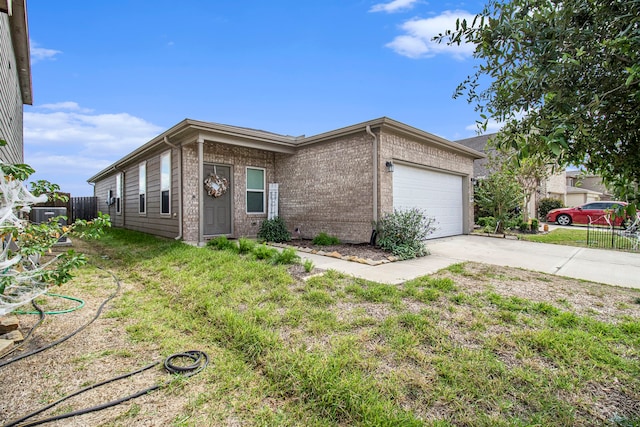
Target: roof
(17,11)
(190,131)
(478,143)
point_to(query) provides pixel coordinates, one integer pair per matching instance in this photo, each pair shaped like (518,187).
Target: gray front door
(217,210)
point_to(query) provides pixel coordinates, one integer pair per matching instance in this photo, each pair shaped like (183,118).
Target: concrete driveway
(596,265)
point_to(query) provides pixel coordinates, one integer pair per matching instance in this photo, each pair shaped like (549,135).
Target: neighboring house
(583,187)
(15,78)
(554,186)
(337,182)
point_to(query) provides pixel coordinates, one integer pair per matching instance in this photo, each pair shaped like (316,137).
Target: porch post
(200,191)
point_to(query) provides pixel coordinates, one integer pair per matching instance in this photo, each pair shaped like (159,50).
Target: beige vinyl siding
(152,222)
(10,99)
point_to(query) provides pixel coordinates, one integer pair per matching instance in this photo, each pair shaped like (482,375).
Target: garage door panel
(438,194)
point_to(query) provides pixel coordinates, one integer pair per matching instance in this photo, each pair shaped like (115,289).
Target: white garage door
(439,194)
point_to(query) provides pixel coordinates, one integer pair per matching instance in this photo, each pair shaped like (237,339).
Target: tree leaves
(566,71)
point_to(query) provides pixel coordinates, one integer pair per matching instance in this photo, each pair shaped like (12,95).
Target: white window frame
(255,190)
(142,188)
(165,183)
(119,180)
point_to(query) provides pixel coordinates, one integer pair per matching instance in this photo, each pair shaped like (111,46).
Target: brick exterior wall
(10,99)
(239,158)
(328,187)
(401,148)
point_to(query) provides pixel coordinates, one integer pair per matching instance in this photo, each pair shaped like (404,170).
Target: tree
(27,266)
(564,78)
(498,196)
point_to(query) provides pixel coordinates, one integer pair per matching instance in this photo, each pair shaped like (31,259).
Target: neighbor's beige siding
(10,99)
(399,148)
(327,187)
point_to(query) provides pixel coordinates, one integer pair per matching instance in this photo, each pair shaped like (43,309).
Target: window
(255,190)
(119,193)
(165,182)
(142,187)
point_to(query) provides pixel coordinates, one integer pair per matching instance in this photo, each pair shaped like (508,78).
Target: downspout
(375,181)
(181,196)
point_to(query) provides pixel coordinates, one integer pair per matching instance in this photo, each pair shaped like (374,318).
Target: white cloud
(417,41)
(67,105)
(66,144)
(393,6)
(40,53)
(492,126)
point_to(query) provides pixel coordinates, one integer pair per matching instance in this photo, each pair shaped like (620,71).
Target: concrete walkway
(596,265)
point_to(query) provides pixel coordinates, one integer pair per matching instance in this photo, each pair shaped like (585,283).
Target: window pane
(142,178)
(255,202)
(165,202)
(165,172)
(142,204)
(255,179)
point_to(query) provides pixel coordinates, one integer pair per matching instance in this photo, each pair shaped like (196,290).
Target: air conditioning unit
(41,215)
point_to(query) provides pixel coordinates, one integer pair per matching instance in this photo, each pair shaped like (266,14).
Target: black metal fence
(610,237)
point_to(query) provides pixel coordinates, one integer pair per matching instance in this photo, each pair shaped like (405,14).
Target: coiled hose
(200,361)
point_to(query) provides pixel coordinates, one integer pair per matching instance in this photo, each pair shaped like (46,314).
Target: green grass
(337,350)
(560,236)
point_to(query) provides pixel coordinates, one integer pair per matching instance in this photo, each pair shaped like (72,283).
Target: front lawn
(470,345)
(559,236)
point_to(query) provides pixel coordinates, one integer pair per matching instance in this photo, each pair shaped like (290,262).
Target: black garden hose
(63,339)
(200,361)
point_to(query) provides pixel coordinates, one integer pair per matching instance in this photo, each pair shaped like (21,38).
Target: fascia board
(20,40)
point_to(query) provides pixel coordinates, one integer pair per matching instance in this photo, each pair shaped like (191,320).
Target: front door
(217,203)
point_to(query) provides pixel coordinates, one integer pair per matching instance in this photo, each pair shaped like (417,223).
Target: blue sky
(110,75)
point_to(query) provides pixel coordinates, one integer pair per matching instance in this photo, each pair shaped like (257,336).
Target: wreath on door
(216,185)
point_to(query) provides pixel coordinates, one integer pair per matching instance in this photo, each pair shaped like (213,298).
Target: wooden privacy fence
(83,208)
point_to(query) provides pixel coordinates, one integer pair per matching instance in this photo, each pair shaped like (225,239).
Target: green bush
(264,252)
(245,245)
(524,227)
(535,224)
(287,256)
(274,230)
(221,243)
(323,239)
(308,265)
(404,231)
(547,204)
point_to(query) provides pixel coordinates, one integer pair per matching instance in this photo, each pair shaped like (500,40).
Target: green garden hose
(68,310)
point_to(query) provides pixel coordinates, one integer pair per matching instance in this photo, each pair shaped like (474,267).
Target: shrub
(264,252)
(535,224)
(404,231)
(287,256)
(323,239)
(524,227)
(274,230)
(245,245)
(308,265)
(547,204)
(221,243)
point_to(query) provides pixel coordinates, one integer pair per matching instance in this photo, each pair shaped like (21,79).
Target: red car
(601,213)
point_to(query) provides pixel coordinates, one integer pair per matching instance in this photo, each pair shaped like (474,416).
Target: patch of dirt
(361,250)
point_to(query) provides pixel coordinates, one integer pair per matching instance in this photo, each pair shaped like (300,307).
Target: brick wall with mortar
(239,158)
(10,99)
(327,187)
(397,147)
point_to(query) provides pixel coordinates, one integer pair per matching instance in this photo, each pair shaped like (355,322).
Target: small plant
(264,252)
(404,231)
(323,239)
(308,265)
(535,225)
(547,204)
(274,230)
(524,227)
(287,256)
(245,245)
(221,243)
